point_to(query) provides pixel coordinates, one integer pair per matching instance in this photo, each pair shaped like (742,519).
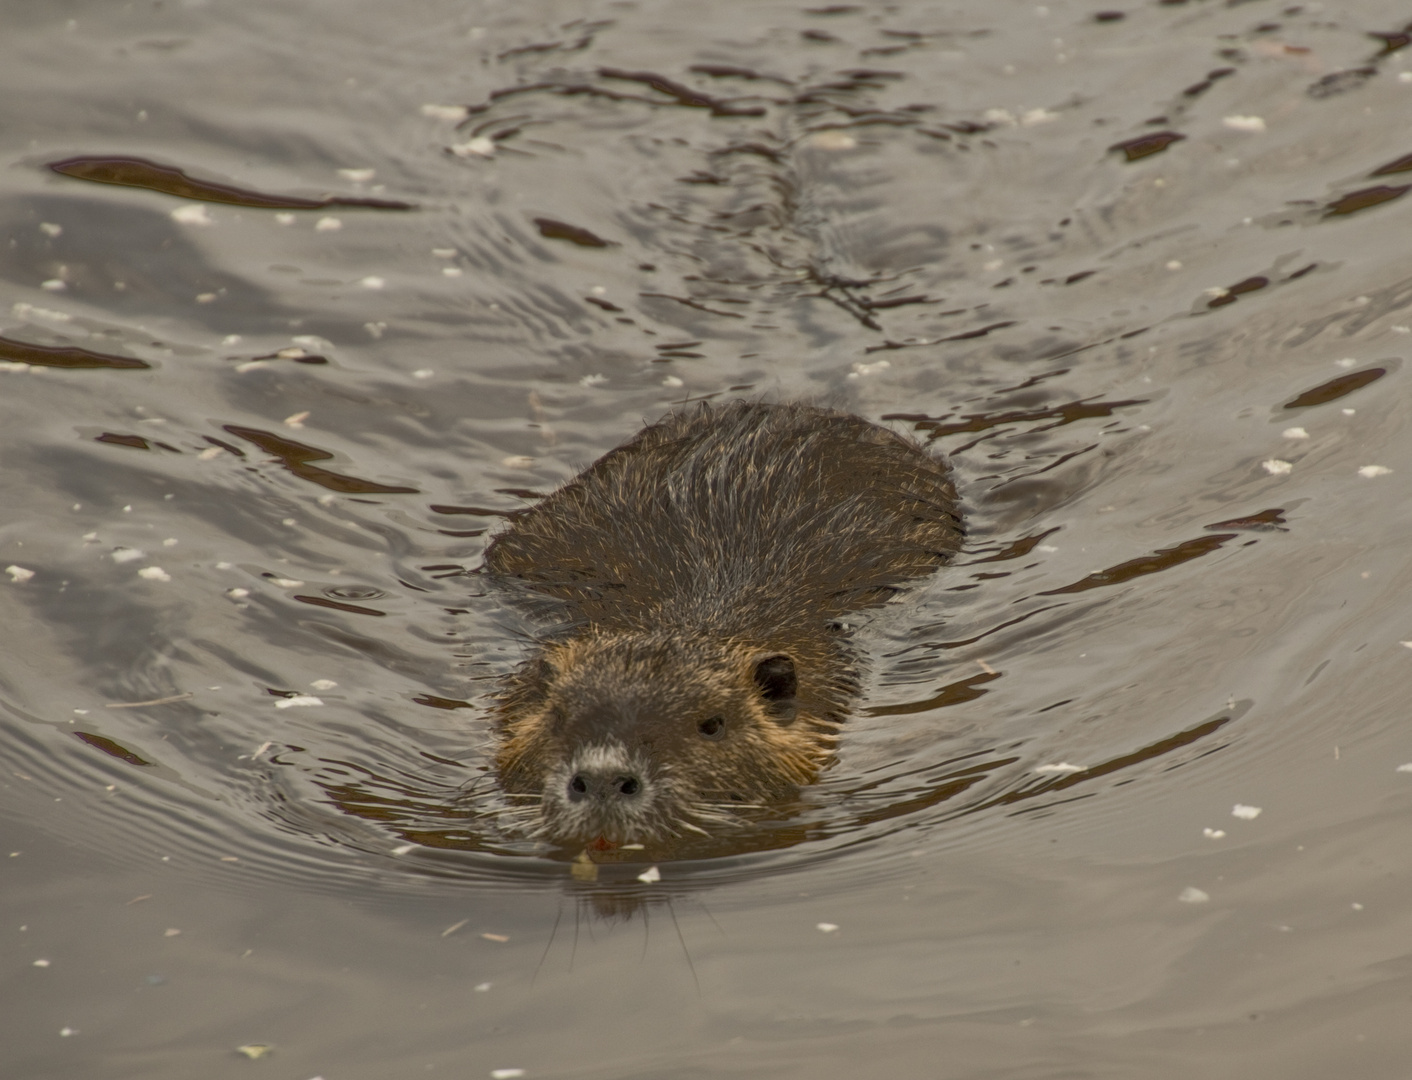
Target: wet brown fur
(681,569)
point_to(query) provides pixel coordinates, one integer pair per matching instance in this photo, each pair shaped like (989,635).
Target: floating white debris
(423,373)
(496,937)
(127,554)
(1276,467)
(517,461)
(480,146)
(1031,117)
(1405,768)
(50,229)
(650,876)
(154,573)
(254,1051)
(832,139)
(444,253)
(1295,433)
(451,113)
(357,176)
(1245,813)
(1213,834)
(19,574)
(53,285)
(328,224)
(286,219)
(481,988)
(599,290)
(1367,472)
(1244,123)
(323,684)
(1048,549)
(286,582)
(41,963)
(209,453)
(506,1074)
(826,927)
(1193,895)
(23,310)
(403,849)
(237,594)
(999,116)
(1059,768)
(672,382)
(372,281)
(297,700)
(297,419)
(861,370)
(171,931)
(250,365)
(1346,362)
(593,380)
(1174,264)
(1348,412)
(65,1032)
(451,271)
(193,214)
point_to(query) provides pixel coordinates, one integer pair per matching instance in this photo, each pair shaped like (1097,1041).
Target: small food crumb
(826,927)
(1405,768)
(1245,813)
(480,146)
(65,1032)
(237,594)
(481,988)
(41,963)
(1368,472)
(372,281)
(357,176)
(19,574)
(832,140)
(296,420)
(154,573)
(1244,123)
(1193,895)
(672,382)
(650,876)
(1059,768)
(1295,433)
(297,701)
(593,380)
(254,1051)
(171,931)
(506,1074)
(1213,834)
(517,461)
(403,849)
(1276,467)
(195,214)
(496,937)
(423,373)
(453,113)
(126,554)
(323,684)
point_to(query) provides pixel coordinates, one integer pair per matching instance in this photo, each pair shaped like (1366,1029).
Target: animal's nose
(604,785)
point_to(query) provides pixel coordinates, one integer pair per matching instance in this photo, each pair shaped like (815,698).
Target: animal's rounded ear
(775,677)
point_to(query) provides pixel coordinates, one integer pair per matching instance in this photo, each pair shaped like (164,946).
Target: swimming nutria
(697,575)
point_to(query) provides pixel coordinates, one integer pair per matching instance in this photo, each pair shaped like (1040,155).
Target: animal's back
(729,519)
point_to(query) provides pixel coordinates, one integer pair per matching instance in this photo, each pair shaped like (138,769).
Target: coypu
(697,576)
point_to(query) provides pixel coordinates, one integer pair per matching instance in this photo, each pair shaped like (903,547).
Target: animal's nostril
(627,786)
(578,786)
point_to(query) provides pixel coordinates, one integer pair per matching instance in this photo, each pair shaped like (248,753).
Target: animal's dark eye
(714,728)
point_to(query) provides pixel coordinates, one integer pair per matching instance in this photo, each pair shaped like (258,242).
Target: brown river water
(300,300)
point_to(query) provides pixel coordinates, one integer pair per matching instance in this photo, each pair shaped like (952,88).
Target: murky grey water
(1170,387)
